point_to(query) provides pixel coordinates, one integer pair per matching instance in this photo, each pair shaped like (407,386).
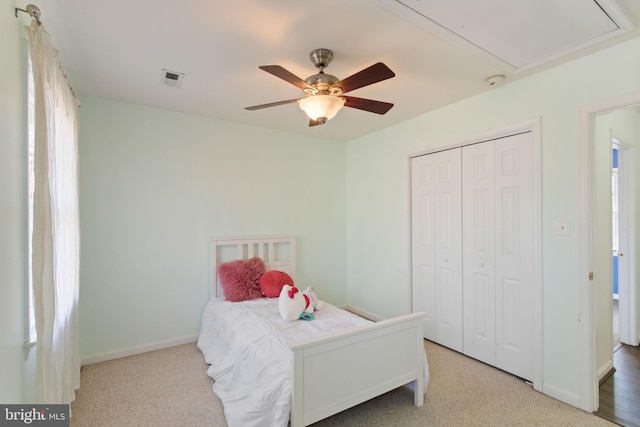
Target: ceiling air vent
(171,78)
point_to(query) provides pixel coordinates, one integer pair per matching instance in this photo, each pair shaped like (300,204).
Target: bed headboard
(277,252)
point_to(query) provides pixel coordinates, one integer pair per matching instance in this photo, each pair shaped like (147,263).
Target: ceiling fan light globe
(321,106)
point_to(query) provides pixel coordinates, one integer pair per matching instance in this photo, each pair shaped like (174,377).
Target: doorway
(623,226)
(615,234)
(601,125)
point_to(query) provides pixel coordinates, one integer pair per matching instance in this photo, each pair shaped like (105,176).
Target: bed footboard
(339,371)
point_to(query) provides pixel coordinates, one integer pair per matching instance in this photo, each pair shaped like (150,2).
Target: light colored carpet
(170,388)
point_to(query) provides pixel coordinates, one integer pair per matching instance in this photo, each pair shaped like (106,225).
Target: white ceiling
(117,49)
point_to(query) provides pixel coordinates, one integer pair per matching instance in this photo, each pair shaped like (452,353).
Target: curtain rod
(32,10)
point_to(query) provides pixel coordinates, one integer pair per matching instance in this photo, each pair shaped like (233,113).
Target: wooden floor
(620,394)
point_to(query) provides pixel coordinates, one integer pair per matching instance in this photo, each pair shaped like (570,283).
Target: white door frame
(589,393)
(626,246)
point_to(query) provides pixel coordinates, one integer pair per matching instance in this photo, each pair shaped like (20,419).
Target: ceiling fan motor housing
(322,83)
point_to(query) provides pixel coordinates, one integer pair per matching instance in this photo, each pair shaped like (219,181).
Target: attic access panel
(516,34)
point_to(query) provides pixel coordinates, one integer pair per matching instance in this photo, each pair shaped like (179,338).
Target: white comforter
(248,344)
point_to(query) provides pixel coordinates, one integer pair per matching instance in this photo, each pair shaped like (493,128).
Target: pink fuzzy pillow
(272,282)
(240,279)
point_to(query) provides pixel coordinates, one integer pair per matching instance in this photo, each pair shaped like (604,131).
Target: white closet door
(423,241)
(514,254)
(478,251)
(448,248)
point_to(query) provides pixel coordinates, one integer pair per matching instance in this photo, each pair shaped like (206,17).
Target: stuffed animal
(295,305)
(313,303)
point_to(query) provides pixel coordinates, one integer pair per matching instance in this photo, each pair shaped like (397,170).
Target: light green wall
(378,188)
(156,186)
(16,365)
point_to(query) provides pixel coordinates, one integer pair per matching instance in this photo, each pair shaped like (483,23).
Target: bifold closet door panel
(478,252)
(514,254)
(423,242)
(448,248)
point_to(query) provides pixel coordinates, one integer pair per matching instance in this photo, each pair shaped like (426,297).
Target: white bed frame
(337,371)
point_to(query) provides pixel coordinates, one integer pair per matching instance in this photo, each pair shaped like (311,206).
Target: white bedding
(248,344)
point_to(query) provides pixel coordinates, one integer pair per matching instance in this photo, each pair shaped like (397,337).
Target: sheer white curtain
(56,228)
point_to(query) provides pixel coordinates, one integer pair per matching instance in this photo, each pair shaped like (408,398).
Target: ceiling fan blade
(271,104)
(374,74)
(285,75)
(370,105)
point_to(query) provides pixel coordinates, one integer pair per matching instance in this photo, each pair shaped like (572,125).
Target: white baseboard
(362,313)
(605,369)
(103,357)
(561,395)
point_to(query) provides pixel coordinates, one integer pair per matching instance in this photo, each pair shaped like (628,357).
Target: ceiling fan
(325,93)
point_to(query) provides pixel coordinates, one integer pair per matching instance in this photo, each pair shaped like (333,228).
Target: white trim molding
(589,394)
(132,351)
